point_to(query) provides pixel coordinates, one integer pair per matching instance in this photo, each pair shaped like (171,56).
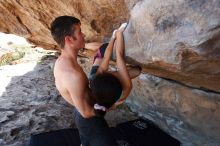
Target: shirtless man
(73,84)
(70,79)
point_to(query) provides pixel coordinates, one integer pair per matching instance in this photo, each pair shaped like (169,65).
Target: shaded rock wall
(190,115)
(178,41)
(31,19)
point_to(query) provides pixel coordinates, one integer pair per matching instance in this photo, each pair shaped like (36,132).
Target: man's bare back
(72,83)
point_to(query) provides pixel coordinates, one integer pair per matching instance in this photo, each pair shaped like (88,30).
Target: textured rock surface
(30,102)
(175,40)
(31,19)
(190,115)
(178,40)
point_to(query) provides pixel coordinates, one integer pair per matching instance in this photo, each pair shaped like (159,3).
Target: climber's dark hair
(63,26)
(106,90)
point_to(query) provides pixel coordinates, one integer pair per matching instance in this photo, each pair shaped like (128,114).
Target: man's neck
(70,53)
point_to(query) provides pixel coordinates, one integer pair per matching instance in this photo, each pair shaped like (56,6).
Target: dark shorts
(93,131)
(101,51)
(100,54)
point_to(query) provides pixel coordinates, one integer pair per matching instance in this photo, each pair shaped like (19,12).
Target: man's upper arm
(77,90)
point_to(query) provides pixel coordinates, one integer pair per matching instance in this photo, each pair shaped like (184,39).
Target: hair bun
(99,107)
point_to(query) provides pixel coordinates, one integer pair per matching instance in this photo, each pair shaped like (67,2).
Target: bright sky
(5,38)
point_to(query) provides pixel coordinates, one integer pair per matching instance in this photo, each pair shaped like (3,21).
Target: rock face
(190,115)
(31,19)
(178,41)
(30,102)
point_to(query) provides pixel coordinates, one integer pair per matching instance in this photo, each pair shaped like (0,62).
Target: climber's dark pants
(93,131)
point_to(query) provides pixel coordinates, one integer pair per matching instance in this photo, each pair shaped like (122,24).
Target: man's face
(79,37)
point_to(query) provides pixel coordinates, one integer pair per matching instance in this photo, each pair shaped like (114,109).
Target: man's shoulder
(69,75)
(67,72)
(63,67)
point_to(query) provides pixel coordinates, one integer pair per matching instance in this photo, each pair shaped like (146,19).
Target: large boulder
(177,40)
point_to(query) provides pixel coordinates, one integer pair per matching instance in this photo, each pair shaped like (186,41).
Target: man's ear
(73,37)
(69,38)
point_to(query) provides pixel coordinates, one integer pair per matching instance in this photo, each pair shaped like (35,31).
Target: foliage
(16,52)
